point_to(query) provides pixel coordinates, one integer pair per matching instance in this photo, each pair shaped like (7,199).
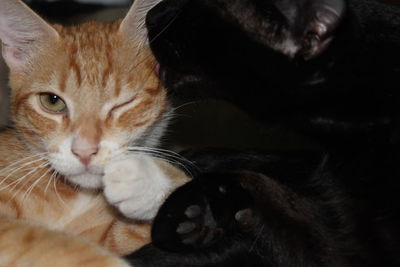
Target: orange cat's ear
(22,33)
(133,27)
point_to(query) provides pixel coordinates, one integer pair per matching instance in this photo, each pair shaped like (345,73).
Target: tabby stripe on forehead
(74,65)
(62,83)
(109,66)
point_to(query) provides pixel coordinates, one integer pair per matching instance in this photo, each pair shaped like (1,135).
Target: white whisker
(21,160)
(33,185)
(21,168)
(165,155)
(56,191)
(163,152)
(20,179)
(183,105)
(178,163)
(164,29)
(51,178)
(259,234)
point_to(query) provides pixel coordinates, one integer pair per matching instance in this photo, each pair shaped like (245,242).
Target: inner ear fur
(133,26)
(23,33)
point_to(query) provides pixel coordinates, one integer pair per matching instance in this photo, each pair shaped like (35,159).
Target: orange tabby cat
(82,98)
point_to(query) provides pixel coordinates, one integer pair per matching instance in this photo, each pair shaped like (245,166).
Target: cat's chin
(86,180)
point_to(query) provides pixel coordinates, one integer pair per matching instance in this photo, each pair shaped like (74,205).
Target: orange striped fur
(105,73)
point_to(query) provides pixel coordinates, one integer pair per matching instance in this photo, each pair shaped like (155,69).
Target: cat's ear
(311,24)
(22,33)
(133,25)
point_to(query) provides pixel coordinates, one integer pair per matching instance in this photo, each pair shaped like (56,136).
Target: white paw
(136,186)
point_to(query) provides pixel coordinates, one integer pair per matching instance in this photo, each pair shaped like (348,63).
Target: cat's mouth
(85,176)
(94,170)
(89,177)
(87,180)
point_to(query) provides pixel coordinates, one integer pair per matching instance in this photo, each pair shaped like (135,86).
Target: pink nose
(84,150)
(85,156)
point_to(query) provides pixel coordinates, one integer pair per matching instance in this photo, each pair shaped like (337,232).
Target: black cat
(327,68)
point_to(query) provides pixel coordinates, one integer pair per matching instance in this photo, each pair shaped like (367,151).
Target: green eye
(52,103)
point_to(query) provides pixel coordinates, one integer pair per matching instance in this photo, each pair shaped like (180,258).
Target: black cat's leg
(202,212)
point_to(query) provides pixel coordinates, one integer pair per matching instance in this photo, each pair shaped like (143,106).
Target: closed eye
(116,107)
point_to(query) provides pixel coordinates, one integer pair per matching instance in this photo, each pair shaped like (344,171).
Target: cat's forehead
(95,59)
(91,50)
(90,39)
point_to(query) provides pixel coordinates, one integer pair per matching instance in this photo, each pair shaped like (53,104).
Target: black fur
(350,90)
(338,207)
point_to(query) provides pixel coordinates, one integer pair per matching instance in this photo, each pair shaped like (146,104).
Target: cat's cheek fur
(64,161)
(136,185)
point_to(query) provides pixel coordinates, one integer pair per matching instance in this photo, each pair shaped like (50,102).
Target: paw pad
(244,216)
(222,189)
(193,211)
(185,228)
(199,227)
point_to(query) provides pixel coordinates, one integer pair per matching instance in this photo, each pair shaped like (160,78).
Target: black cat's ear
(311,25)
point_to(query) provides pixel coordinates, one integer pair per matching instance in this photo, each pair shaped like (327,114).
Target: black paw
(202,212)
